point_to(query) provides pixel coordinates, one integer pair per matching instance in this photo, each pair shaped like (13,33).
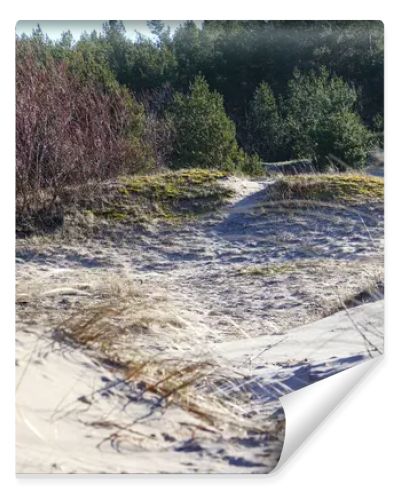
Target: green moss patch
(341,188)
(169,196)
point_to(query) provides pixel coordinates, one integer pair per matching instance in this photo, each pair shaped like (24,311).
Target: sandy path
(198,296)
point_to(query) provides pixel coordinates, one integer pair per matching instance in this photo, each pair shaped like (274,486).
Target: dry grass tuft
(161,358)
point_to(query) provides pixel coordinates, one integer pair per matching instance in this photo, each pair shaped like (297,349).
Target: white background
(355,452)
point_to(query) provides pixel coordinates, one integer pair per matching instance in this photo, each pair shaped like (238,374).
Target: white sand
(190,296)
(55,431)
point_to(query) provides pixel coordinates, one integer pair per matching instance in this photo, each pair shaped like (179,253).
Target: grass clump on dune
(120,331)
(165,196)
(297,266)
(267,270)
(341,188)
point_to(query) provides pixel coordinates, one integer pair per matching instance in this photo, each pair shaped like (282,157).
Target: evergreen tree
(265,124)
(205,136)
(342,140)
(315,103)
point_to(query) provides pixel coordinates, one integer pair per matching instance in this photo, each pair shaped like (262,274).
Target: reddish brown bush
(69,132)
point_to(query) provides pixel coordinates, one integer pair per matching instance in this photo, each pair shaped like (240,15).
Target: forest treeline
(226,94)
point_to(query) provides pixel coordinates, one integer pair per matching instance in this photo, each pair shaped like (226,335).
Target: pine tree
(265,124)
(321,122)
(205,136)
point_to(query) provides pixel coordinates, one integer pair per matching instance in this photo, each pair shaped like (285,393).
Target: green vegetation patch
(271,270)
(180,185)
(303,266)
(341,188)
(170,196)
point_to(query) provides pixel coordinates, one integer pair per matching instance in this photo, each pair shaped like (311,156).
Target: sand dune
(235,297)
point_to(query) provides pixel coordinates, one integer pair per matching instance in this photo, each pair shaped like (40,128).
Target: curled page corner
(306,408)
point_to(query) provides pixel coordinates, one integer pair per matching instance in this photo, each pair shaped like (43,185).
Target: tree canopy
(222,94)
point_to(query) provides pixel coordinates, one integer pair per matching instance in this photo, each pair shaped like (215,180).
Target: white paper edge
(306,408)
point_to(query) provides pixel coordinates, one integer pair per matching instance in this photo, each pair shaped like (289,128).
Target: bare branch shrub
(69,132)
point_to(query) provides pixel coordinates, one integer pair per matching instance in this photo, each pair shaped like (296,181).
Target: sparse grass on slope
(345,189)
(170,196)
(330,284)
(166,196)
(272,270)
(145,338)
